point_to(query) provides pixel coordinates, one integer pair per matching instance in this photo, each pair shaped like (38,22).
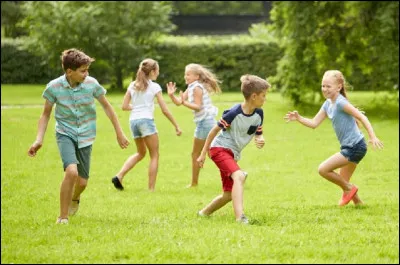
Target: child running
(344,117)
(139,100)
(73,95)
(201,82)
(238,124)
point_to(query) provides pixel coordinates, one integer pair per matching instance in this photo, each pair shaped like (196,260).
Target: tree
(117,32)
(11,14)
(359,38)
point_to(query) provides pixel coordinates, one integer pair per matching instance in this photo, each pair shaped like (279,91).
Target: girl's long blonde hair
(206,77)
(142,74)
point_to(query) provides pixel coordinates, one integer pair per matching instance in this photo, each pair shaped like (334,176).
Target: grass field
(293,211)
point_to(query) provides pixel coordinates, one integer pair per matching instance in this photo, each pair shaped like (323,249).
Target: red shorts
(224,159)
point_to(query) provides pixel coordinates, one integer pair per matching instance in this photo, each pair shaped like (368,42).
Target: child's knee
(239,175)
(71,171)
(141,155)
(82,182)
(322,170)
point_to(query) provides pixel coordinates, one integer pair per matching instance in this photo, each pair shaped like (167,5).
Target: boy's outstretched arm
(42,126)
(211,135)
(108,109)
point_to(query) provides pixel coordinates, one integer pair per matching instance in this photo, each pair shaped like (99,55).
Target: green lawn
(293,211)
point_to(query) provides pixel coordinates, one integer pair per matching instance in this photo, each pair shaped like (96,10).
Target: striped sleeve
(228,116)
(259,130)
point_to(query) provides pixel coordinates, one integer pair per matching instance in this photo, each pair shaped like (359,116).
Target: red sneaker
(346,197)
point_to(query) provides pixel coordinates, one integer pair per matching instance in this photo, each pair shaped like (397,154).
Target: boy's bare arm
(109,110)
(211,135)
(42,127)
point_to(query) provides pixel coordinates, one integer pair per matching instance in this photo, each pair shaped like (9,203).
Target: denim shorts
(356,152)
(71,154)
(203,127)
(142,127)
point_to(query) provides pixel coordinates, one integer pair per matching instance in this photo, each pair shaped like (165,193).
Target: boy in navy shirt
(236,128)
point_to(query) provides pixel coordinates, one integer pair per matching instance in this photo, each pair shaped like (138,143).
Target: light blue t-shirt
(344,124)
(238,129)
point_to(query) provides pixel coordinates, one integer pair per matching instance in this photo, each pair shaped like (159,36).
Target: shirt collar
(193,83)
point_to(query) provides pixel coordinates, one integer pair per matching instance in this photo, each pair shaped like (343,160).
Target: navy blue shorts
(356,152)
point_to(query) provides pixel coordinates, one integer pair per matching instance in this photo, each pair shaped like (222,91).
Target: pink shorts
(224,159)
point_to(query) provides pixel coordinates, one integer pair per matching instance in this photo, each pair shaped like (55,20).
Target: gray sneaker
(199,213)
(243,219)
(73,207)
(62,221)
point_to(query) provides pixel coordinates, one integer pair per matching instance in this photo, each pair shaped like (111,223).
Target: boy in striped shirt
(73,94)
(235,130)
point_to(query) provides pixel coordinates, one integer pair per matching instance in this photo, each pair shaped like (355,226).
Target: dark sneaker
(117,183)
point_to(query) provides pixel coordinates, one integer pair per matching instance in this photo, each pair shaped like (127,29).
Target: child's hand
(171,88)
(200,160)
(292,116)
(122,141)
(259,141)
(376,143)
(178,131)
(34,148)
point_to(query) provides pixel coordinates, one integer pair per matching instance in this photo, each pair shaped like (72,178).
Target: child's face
(259,99)
(79,74)
(330,87)
(190,77)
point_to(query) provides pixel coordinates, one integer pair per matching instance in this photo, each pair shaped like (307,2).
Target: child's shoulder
(56,82)
(90,80)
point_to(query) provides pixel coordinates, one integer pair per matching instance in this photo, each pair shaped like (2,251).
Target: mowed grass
(293,211)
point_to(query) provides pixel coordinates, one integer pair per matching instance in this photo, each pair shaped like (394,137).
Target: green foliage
(219,7)
(21,66)
(11,14)
(229,57)
(358,38)
(115,31)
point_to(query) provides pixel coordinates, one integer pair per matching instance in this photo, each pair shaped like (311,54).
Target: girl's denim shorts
(356,152)
(203,127)
(142,127)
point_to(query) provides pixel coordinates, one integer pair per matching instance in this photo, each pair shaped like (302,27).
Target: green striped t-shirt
(75,111)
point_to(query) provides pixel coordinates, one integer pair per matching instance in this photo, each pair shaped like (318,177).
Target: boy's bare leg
(66,189)
(217,203)
(239,179)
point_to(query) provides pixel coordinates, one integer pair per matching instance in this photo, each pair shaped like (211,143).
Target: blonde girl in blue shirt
(139,100)
(201,82)
(73,95)
(344,117)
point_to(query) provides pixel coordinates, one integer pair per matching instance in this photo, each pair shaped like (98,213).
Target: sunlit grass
(293,211)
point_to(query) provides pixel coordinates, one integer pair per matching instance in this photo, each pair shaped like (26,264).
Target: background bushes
(229,57)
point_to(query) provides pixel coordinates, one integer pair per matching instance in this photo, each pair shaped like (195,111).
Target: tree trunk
(118,75)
